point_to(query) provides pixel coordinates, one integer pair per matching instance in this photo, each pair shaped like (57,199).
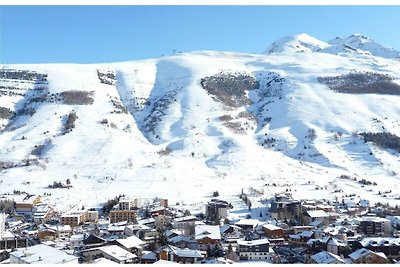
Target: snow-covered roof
(148,255)
(131,242)
(210,231)
(335,242)
(306,233)
(253,242)
(116,228)
(317,213)
(186,218)
(180,238)
(380,241)
(372,219)
(103,261)
(226,227)
(137,227)
(315,223)
(116,252)
(164,262)
(78,237)
(359,253)
(248,222)
(186,253)
(146,221)
(43,254)
(325,257)
(271,227)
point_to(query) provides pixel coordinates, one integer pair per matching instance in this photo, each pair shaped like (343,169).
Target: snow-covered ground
(172,142)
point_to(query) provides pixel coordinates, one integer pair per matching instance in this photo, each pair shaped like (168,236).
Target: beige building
(122,215)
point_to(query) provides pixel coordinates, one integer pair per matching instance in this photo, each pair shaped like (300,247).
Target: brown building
(25,205)
(122,215)
(207,235)
(364,255)
(164,202)
(72,220)
(273,231)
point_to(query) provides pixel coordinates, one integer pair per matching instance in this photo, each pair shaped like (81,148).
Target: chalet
(182,242)
(159,211)
(247,225)
(310,216)
(180,223)
(47,233)
(75,241)
(148,257)
(174,254)
(117,229)
(92,241)
(132,229)
(161,220)
(41,254)
(273,231)
(131,244)
(42,213)
(112,252)
(207,235)
(254,250)
(364,255)
(324,257)
(150,222)
(388,245)
(301,238)
(231,233)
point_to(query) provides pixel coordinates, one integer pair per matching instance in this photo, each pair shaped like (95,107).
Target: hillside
(185,125)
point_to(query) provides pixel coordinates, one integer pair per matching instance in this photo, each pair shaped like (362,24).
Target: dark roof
(93,239)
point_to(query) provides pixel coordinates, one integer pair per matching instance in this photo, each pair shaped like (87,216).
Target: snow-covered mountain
(360,44)
(297,43)
(185,125)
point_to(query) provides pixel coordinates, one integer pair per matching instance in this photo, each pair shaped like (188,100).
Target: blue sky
(89,34)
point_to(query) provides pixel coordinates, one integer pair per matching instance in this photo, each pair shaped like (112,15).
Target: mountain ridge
(184,125)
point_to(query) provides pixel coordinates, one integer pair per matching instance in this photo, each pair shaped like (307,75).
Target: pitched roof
(186,218)
(380,241)
(249,222)
(316,213)
(116,252)
(362,252)
(43,254)
(253,242)
(325,257)
(130,242)
(186,253)
(210,231)
(93,239)
(180,238)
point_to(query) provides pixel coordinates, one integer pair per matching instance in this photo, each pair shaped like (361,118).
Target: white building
(113,253)
(41,254)
(254,250)
(324,257)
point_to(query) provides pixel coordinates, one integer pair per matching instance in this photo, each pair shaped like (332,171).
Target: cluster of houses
(137,231)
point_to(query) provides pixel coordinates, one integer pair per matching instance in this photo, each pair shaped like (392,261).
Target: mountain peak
(297,43)
(361,44)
